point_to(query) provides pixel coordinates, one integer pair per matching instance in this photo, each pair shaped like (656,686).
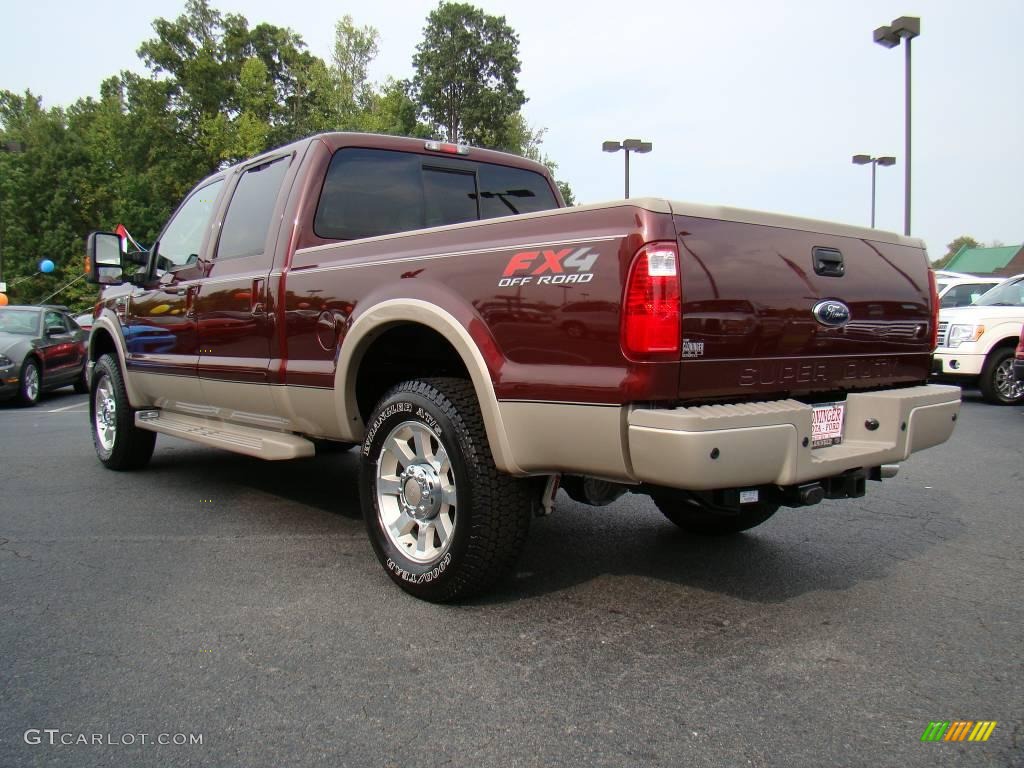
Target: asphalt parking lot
(220,596)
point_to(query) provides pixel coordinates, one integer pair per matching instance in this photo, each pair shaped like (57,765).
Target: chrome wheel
(416,497)
(1006,383)
(31,383)
(105,408)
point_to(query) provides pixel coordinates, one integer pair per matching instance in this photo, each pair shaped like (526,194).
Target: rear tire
(443,521)
(120,445)
(693,516)
(997,382)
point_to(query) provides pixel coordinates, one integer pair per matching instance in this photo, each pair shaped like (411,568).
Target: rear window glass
(369,192)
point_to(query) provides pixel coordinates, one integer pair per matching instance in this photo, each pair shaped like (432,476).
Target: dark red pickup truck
(438,306)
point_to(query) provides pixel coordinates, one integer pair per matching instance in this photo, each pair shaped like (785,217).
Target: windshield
(16,320)
(1008,294)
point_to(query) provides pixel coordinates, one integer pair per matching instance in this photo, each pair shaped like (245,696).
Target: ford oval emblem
(832,313)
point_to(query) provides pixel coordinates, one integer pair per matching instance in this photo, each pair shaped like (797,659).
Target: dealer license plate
(827,424)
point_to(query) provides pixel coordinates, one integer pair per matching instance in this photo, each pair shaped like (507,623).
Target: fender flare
(108,322)
(393,312)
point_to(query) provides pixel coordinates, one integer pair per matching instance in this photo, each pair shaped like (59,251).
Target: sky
(754,104)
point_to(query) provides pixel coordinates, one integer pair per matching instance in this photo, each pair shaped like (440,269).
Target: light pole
(903,28)
(12,147)
(875,161)
(629,145)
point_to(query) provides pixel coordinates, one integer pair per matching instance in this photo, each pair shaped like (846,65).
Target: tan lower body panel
(261,443)
(729,446)
(545,438)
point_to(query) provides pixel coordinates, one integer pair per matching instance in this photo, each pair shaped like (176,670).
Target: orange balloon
(4,301)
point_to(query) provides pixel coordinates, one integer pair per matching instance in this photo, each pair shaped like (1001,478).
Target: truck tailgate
(755,318)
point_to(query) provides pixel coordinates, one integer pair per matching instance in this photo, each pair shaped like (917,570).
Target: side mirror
(103,264)
(55,331)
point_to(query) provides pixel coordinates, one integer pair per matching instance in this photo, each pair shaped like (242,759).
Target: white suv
(977,342)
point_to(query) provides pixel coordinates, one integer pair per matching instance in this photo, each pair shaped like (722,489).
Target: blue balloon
(46,266)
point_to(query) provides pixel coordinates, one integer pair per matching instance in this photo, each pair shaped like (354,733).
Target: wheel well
(1010,342)
(38,361)
(400,353)
(102,344)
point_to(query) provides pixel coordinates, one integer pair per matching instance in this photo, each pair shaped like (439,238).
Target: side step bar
(261,443)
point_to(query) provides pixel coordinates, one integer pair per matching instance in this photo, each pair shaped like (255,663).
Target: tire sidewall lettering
(410,406)
(420,578)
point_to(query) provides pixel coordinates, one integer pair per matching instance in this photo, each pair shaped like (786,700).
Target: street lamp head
(611,146)
(887,37)
(861,159)
(887,160)
(906,26)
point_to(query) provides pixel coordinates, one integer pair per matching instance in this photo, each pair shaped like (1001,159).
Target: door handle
(256,302)
(190,301)
(828,262)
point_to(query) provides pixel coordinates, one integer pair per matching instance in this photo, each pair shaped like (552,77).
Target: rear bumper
(728,446)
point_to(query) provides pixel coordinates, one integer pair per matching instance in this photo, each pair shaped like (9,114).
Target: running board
(261,443)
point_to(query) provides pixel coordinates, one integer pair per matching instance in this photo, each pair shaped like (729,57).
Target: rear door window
(247,222)
(369,192)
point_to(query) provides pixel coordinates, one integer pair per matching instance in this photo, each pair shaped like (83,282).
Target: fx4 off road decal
(549,267)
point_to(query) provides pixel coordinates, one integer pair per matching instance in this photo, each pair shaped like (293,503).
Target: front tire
(30,383)
(693,516)
(997,382)
(443,521)
(120,445)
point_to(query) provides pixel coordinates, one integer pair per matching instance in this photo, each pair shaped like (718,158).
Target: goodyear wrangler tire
(693,517)
(443,521)
(119,443)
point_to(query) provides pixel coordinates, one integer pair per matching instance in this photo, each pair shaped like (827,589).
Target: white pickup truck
(976,343)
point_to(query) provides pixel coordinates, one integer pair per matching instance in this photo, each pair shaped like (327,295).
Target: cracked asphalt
(218,595)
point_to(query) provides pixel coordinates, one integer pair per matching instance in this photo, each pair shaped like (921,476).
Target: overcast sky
(755,104)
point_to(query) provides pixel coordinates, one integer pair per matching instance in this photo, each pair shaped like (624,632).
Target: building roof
(980,261)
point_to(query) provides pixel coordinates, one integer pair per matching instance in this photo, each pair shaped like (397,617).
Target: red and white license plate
(827,424)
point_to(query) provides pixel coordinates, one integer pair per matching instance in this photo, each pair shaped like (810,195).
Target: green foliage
(467,68)
(219,91)
(953,248)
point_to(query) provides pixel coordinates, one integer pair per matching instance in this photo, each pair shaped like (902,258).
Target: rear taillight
(651,305)
(935,308)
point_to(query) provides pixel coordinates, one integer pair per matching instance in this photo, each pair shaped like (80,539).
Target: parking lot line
(68,407)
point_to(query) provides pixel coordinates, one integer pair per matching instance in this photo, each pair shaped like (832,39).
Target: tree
(354,49)
(467,68)
(953,248)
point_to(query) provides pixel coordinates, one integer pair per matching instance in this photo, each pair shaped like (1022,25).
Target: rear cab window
(371,192)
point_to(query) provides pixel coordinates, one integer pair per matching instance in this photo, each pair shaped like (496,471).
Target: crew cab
(438,306)
(976,343)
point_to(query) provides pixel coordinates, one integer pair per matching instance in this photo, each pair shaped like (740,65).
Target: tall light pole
(629,145)
(904,28)
(875,161)
(13,147)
